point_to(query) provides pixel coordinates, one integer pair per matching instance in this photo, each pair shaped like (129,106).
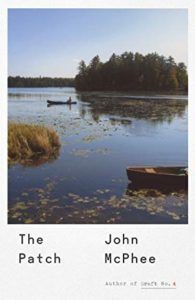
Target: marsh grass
(31,144)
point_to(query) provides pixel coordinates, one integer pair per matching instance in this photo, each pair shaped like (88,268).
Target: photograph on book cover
(98,116)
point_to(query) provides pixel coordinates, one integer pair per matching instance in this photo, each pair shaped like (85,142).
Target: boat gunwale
(141,170)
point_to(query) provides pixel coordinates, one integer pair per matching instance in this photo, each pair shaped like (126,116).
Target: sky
(52,42)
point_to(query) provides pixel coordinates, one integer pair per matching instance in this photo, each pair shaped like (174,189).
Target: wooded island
(132,72)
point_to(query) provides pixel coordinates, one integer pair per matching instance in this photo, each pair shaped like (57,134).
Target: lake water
(100,136)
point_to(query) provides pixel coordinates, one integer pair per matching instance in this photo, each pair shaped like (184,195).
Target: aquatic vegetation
(99,206)
(86,152)
(122,109)
(90,138)
(28,144)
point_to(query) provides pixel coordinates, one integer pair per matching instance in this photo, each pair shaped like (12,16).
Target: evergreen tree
(129,72)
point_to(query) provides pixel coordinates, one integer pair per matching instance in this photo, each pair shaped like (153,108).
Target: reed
(31,143)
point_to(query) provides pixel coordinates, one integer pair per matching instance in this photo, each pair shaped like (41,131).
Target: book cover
(97,150)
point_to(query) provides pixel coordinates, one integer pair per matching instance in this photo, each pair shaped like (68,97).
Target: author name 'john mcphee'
(124,257)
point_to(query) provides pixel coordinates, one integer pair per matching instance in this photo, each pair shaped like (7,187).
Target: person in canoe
(69,101)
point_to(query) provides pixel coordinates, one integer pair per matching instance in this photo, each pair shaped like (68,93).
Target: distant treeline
(39,82)
(131,71)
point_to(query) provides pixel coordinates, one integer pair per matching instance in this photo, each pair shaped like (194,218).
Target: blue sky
(51,42)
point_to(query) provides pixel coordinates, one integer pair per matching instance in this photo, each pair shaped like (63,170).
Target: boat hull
(167,176)
(60,102)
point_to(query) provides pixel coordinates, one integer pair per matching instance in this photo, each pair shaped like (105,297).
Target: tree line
(18,81)
(130,71)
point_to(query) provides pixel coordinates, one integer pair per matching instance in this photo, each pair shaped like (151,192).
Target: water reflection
(40,160)
(155,111)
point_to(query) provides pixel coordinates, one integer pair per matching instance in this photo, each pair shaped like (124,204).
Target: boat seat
(150,170)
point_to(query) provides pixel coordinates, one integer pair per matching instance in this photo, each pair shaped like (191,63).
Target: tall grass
(30,143)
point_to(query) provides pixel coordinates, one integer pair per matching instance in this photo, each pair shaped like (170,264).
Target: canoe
(155,176)
(60,102)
